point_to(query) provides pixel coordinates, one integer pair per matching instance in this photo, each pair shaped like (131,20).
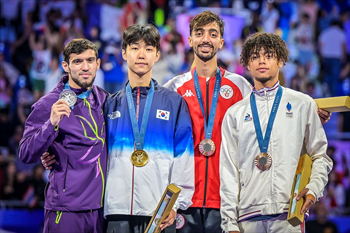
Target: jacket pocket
(65,176)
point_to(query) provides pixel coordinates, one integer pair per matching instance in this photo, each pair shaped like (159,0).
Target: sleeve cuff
(310,192)
(49,129)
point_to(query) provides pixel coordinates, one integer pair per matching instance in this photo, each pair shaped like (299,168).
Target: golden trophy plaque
(301,179)
(334,104)
(163,209)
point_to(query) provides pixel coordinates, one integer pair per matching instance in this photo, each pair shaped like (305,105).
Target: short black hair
(270,42)
(78,46)
(205,18)
(135,33)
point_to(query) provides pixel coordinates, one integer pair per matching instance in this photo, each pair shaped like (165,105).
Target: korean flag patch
(164,115)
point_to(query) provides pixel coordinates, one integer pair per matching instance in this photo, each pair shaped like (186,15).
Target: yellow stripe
(93,120)
(58,217)
(103,181)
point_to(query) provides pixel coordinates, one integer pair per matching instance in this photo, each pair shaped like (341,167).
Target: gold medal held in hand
(263,161)
(139,158)
(207,147)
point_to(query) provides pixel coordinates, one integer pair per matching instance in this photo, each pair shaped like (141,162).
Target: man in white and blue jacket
(149,140)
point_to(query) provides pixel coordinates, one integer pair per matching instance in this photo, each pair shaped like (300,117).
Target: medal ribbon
(83,95)
(264,142)
(208,127)
(139,136)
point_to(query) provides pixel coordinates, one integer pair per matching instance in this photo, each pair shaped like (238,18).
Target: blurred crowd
(34,32)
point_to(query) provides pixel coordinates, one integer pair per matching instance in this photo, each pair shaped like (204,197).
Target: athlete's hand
(47,160)
(324,115)
(309,200)
(169,220)
(58,110)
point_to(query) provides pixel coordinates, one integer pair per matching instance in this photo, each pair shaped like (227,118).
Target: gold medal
(263,161)
(207,147)
(139,158)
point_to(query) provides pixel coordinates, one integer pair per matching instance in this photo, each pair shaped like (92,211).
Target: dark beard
(264,80)
(204,58)
(82,84)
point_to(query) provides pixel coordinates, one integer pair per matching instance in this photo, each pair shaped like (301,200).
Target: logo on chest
(114,115)
(162,114)
(188,93)
(226,92)
(247,118)
(289,114)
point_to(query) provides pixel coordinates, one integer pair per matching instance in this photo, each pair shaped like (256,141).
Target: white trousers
(274,225)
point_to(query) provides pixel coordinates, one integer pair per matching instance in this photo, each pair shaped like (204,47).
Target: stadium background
(33,33)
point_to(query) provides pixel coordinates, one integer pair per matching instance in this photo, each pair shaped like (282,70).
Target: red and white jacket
(233,89)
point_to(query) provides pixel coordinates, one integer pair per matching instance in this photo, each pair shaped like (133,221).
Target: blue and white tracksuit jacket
(132,190)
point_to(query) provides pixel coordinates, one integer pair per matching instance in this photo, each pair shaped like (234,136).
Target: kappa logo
(289,114)
(180,221)
(114,115)
(226,92)
(247,118)
(188,93)
(162,114)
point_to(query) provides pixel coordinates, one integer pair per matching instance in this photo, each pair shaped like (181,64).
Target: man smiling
(68,122)
(206,87)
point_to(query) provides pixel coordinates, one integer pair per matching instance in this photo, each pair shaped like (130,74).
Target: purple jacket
(77,179)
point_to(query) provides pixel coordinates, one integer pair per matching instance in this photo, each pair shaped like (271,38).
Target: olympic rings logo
(226,92)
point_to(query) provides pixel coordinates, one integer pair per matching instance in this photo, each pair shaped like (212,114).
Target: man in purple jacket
(68,122)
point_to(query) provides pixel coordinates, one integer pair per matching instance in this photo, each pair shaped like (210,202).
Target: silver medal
(69,96)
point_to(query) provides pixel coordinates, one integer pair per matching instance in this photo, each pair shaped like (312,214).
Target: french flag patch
(164,115)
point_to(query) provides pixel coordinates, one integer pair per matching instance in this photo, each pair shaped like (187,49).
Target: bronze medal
(139,158)
(207,147)
(263,161)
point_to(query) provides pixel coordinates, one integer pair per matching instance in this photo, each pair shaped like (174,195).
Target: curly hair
(270,42)
(205,18)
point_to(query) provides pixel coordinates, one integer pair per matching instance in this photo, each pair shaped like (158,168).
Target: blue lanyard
(208,127)
(264,142)
(83,95)
(139,136)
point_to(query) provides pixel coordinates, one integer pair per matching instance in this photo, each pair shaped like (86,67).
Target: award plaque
(163,209)
(334,104)
(301,179)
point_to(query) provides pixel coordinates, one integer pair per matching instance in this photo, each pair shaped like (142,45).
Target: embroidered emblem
(164,115)
(188,93)
(114,115)
(226,92)
(289,114)
(180,221)
(247,118)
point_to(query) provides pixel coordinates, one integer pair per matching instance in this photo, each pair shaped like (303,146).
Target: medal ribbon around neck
(83,95)
(139,136)
(264,142)
(208,127)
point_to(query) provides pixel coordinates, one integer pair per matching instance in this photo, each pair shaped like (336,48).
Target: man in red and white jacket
(206,38)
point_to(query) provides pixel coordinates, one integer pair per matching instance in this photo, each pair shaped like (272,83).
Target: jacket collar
(144,90)
(267,91)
